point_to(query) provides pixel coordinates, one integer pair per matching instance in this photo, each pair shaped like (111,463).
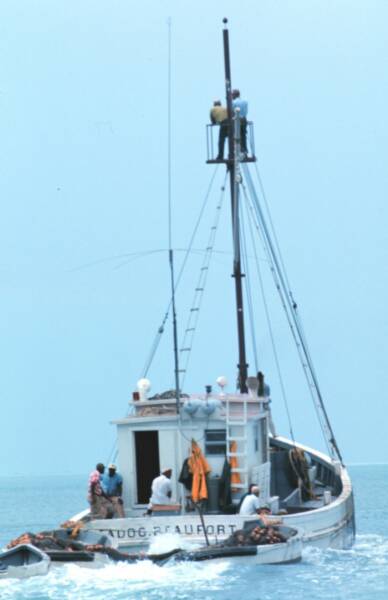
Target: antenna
(170,251)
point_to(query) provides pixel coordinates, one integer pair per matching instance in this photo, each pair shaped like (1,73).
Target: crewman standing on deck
(112,484)
(100,506)
(251,503)
(161,489)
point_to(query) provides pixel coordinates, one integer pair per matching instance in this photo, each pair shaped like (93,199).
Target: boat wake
(169,541)
(119,581)
(322,575)
(353,573)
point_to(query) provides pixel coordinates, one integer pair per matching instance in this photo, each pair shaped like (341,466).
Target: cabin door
(147,463)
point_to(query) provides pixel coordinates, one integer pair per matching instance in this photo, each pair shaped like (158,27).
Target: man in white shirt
(161,489)
(251,503)
(242,106)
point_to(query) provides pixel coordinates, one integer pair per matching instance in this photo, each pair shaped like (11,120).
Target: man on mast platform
(242,106)
(219,116)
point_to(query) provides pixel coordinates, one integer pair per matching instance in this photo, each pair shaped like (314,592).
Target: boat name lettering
(185,529)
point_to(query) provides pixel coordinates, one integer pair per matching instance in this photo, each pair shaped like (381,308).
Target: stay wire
(283,298)
(268,317)
(273,230)
(288,307)
(298,320)
(248,288)
(192,322)
(160,330)
(281,261)
(133,256)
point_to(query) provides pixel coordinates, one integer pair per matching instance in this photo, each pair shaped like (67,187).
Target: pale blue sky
(83,89)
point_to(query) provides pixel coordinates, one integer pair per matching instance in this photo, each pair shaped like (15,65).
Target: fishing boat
(23,561)
(234,431)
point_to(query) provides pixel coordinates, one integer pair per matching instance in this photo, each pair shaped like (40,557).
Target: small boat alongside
(68,544)
(23,561)
(254,544)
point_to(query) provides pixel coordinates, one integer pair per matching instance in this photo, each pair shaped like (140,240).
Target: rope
(283,298)
(160,330)
(133,255)
(293,323)
(271,224)
(192,321)
(268,318)
(301,475)
(249,291)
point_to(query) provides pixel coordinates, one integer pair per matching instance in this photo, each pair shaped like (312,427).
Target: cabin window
(256,439)
(215,442)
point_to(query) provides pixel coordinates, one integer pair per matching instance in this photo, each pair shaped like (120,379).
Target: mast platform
(212,137)
(218,161)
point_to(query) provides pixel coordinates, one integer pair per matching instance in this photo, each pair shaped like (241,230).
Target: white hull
(329,526)
(270,554)
(29,568)
(25,571)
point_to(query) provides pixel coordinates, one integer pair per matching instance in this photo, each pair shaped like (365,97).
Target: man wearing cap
(112,484)
(161,489)
(251,503)
(264,512)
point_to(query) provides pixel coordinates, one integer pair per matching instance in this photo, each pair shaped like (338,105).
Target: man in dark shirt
(219,116)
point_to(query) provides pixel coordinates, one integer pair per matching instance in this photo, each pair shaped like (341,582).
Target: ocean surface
(34,504)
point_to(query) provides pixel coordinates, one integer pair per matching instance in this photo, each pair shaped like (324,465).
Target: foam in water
(170,541)
(357,574)
(114,580)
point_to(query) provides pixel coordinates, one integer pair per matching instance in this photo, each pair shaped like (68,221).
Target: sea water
(33,504)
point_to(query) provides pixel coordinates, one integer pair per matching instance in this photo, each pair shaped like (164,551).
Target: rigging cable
(192,321)
(245,263)
(268,317)
(294,325)
(284,271)
(160,330)
(133,255)
(266,204)
(285,302)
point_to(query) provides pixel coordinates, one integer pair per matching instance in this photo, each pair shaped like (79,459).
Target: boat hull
(330,526)
(270,554)
(23,561)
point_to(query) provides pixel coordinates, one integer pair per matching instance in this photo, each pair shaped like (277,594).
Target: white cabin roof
(157,408)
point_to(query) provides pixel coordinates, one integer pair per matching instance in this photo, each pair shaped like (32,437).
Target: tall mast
(170,251)
(234,194)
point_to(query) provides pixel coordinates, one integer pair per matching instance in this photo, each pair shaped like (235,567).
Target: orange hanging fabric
(199,468)
(235,477)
